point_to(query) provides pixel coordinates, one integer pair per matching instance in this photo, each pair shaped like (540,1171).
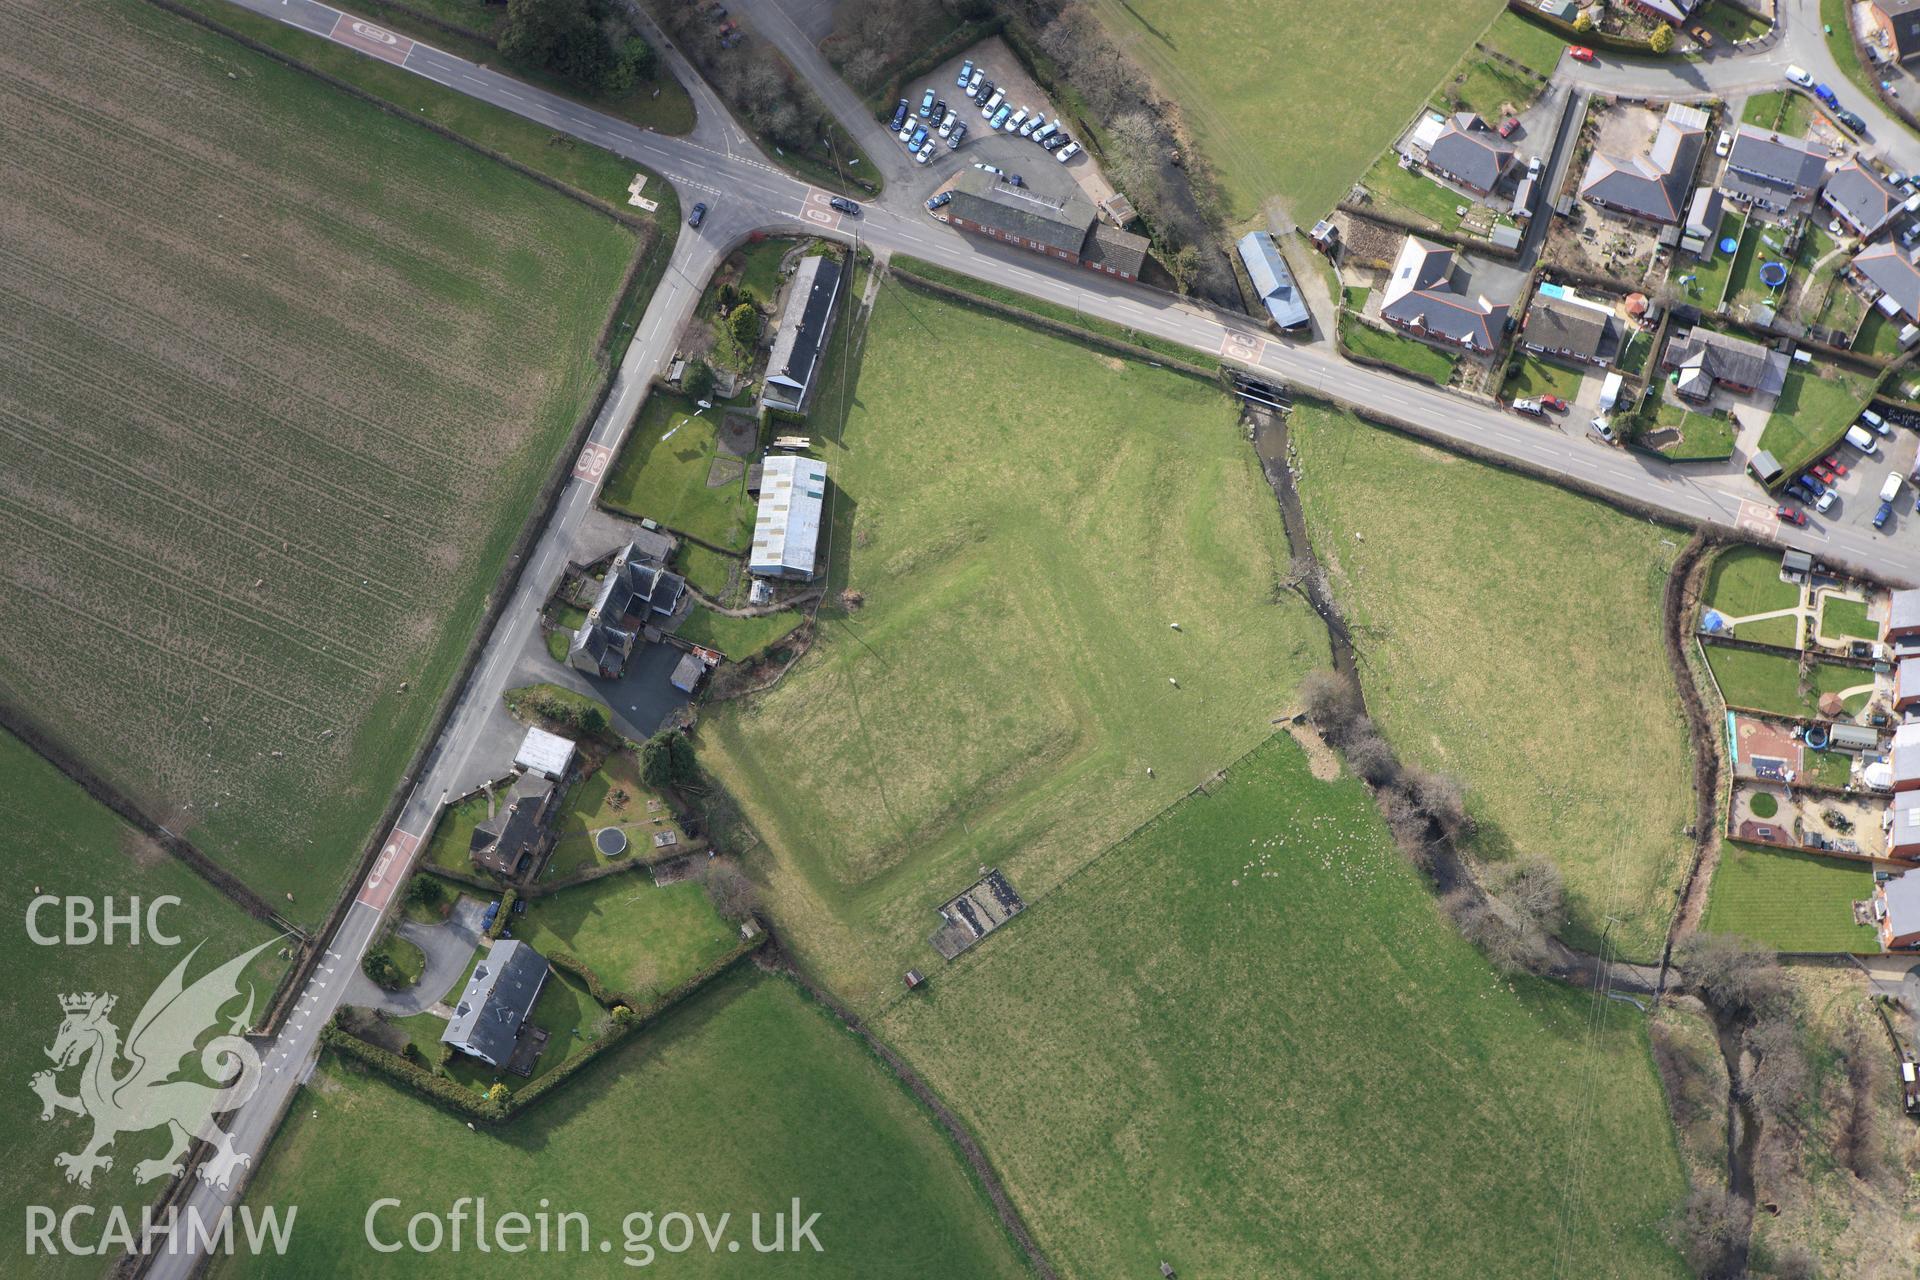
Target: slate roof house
(1770,171)
(1673,12)
(1653,185)
(498,999)
(1470,152)
(636,593)
(803,332)
(511,843)
(1903,616)
(1273,281)
(1889,272)
(1896,27)
(1864,200)
(1572,327)
(1066,228)
(1705,359)
(1420,298)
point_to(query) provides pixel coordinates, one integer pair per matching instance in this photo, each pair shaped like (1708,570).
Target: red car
(1579,53)
(1554,403)
(1820,470)
(1508,125)
(1834,464)
(1791,515)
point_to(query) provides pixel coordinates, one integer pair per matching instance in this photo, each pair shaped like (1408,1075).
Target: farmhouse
(1561,323)
(511,843)
(1770,171)
(1066,227)
(803,334)
(1889,276)
(547,754)
(636,593)
(498,999)
(1864,200)
(1470,152)
(1273,281)
(1651,186)
(1896,27)
(1419,297)
(786,530)
(1705,359)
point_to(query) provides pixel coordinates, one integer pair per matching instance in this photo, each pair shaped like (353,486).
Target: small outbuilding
(547,754)
(1796,564)
(1764,467)
(1273,281)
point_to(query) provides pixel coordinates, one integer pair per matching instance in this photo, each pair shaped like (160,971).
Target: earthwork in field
(286,375)
(1074,612)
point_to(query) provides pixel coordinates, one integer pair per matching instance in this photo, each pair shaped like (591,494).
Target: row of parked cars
(934,121)
(935,118)
(1817,486)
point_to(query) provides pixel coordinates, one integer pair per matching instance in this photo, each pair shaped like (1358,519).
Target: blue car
(899,115)
(1881,516)
(1812,482)
(941,199)
(1000,116)
(1798,490)
(966,73)
(918,139)
(926,104)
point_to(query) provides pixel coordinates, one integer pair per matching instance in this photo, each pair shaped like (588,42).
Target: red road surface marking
(1757,519)
(358,33)
(817,211)
(1244,347)
(389,869)
(593,462)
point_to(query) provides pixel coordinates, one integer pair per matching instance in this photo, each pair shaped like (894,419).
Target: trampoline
(1816,737)
(1773,274)
(1729,245)
(611,841)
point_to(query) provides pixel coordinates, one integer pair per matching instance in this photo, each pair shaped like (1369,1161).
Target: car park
(1791,515)
(900,112)
(1026,130)
(926,104)
(957,136)
(939,201)
(1015,120)
(697,215)
(973,85)
(1579,53)
(844,205)
(966,73)
(1554,403)
(1000,116)
(1068,152)
(918,139)
(925,153)
(946,125)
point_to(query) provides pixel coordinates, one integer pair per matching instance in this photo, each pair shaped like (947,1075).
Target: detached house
(1889,275)
(1419,297)
(1896,908)
(637,593)
(1864,200)
(1655,185)
(1770,171)
(513,841)
(1471,153)
(1704,359)
(497,1002)
(1559,324)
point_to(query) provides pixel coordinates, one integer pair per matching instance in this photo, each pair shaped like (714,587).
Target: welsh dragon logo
(132,1087)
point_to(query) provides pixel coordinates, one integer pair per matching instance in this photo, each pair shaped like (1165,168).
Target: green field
(1529,43)
(55,839)
(1789,901)
(738,638)
(1746,580)
(1229,65)
(1532,376)
(1004,695)
(1771,681)
(1427,363)
(1245,1042)
(735,1103)
(664,469)
(642,939)
(1510,637)
(1847,618)
(1815,407)
(290,407)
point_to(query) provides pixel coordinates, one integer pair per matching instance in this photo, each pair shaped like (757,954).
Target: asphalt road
(719,164)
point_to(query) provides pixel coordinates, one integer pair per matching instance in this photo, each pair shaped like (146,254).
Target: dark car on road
(698,215)
(844,205)
(939,200)
(1850,120)
(900,115)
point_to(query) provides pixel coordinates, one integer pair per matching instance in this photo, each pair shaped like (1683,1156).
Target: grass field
(1814,410)
(288,409)
(1227,66)
(55,839)
(1746,580)
(1417,358)
(738,638)
(1789,901)
(662,473)
(735,1103)
(641,938)
(1200,1050)
(1847,618)
(1771,682)
(1004,695)
(1526,42)
(1532,376)
(1510,634)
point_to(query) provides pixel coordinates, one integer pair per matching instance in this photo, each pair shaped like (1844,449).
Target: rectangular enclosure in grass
(1789,901)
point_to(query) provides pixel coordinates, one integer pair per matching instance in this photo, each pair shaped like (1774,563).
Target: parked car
(844,205)
(1862,440)
(1725,144)
(939,110)
(1826,476)
(1826,500)
(1860,649)
(1795,489)
(1791,515)
(1811,483)
(1508,125)
(1826,95)
(1834,464)
(1000,116)
(1579,53)
(1530,407)
(966,73)
(1015,120)
(973,85)
(1601,428)
(985,91)
(991,105)
(1796,76)
(918,139)
(1701,34)
(1890,489)
(1056,142)
(1869,418)
(1554,403)
(986,168)
(1533,167)
(946,125)
(697,215)
(957,136)
(926,104)
(925,153)
(1046,131)
(1068,152)
(906,130)
(1881,516)
(1026,130)
(1849,119)
(939,201)
(900,112)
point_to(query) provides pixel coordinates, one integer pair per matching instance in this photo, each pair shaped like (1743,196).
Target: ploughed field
(283,376)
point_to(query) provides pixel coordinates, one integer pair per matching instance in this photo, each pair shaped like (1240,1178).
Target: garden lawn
(1702,435)
(1006,693)
(1789,901)
(55,839)
(1745,285)
(1816,405)
(453,834)
(1533,376)
(1709,283)
(1746,580)
(1511,639)
(1771,681)
(1417,358)
(612,796)
(1528,43)
(642,939)
(1228,65)
(1847,618)
(1484,85)
(663,469)
(1199,1051)
(305,552)
(708,571)
(735,1103)
(738,638)
(1412,194)
(1765,109)
(1729,24)
(1783,631)
(1877,335)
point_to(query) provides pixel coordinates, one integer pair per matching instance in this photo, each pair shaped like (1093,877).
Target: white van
(1799,77)
(1860,439)
(1891,489)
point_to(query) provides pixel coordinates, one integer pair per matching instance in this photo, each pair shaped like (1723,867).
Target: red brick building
(1066,228)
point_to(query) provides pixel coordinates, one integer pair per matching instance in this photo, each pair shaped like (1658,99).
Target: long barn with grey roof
(1273,281)
(803,334)
(1064,227)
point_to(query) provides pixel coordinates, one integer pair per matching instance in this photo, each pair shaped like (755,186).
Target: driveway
(448,947)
